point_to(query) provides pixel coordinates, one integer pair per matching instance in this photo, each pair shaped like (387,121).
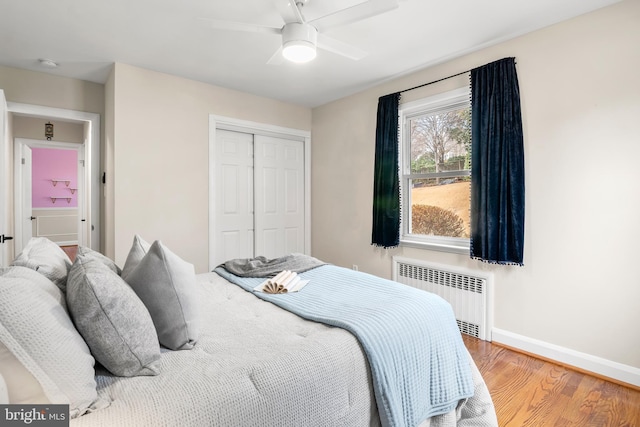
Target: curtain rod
(435,81)
(444,78)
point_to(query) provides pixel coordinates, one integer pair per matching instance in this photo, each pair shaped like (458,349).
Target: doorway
(91,179)
(49,193)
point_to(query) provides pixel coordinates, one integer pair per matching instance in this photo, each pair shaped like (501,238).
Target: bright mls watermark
(34,415)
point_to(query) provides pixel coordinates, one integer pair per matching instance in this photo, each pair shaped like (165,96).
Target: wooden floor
(70,251)
(531,392)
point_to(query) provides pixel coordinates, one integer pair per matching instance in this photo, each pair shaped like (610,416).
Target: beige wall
(580,93)
(33,128)
(30,87)
(160,155)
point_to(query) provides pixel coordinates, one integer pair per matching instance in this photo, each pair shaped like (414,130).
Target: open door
(4,203)
(25,197)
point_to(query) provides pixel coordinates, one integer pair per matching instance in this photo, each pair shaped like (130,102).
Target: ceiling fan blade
(276,58)
(241,26)
(341,48)
(355,13)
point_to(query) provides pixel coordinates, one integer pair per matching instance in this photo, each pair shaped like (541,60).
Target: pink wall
(49,164)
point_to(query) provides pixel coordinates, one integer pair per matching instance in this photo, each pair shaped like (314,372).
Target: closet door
(279,196)
(234,195)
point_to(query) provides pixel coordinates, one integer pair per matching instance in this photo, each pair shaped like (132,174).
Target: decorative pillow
(47,258)
(167,286)
(90,253)
(36,329)
(112,319)
(138,250)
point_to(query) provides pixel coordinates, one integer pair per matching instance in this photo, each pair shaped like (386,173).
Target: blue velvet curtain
(386,185)
(497,164)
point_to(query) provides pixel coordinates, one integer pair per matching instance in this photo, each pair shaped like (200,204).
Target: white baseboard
(597,365)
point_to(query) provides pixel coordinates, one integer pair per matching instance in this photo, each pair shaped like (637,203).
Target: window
(435,175)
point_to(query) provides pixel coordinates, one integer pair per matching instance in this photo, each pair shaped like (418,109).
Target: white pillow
(167,286)
(22,386)
(35,327)
(4,393)
(47,258)
(138,250)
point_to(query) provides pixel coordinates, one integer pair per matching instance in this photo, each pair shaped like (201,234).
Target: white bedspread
(259,365)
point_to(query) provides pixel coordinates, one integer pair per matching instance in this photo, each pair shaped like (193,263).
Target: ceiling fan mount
(300,37)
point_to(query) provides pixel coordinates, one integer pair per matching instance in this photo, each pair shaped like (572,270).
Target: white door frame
(91,122)
(4,165)
(228,123)
(20,184)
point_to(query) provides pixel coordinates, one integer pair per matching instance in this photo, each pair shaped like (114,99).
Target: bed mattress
(258,365)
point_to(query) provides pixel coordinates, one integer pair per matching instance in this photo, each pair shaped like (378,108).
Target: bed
(256,364)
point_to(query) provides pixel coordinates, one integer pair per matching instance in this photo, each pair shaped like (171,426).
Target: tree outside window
(435,170)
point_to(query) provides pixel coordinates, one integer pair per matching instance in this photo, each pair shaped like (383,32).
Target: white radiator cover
(468,291)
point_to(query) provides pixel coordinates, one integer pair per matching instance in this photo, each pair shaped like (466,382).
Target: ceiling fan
(301,37)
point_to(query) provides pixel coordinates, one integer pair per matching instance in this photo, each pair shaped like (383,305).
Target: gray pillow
(167,286)
(88,252)
(36,329)
(47,258)
(138,250)
(112,319)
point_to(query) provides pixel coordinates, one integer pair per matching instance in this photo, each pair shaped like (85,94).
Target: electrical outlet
(354,267)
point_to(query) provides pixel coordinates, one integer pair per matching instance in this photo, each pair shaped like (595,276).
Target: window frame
(453,99)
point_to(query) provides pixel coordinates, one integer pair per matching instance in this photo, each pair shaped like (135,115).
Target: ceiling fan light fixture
(299,42)
(299,51)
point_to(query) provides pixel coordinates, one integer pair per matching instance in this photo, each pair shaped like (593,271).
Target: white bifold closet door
(259,189)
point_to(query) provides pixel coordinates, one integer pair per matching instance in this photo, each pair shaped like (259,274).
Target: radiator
(468,291)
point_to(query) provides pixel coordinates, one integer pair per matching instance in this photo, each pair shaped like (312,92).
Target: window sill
(457,246)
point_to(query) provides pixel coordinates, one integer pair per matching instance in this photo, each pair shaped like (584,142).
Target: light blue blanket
(419,365)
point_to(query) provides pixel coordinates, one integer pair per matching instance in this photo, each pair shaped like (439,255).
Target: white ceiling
(86,36)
